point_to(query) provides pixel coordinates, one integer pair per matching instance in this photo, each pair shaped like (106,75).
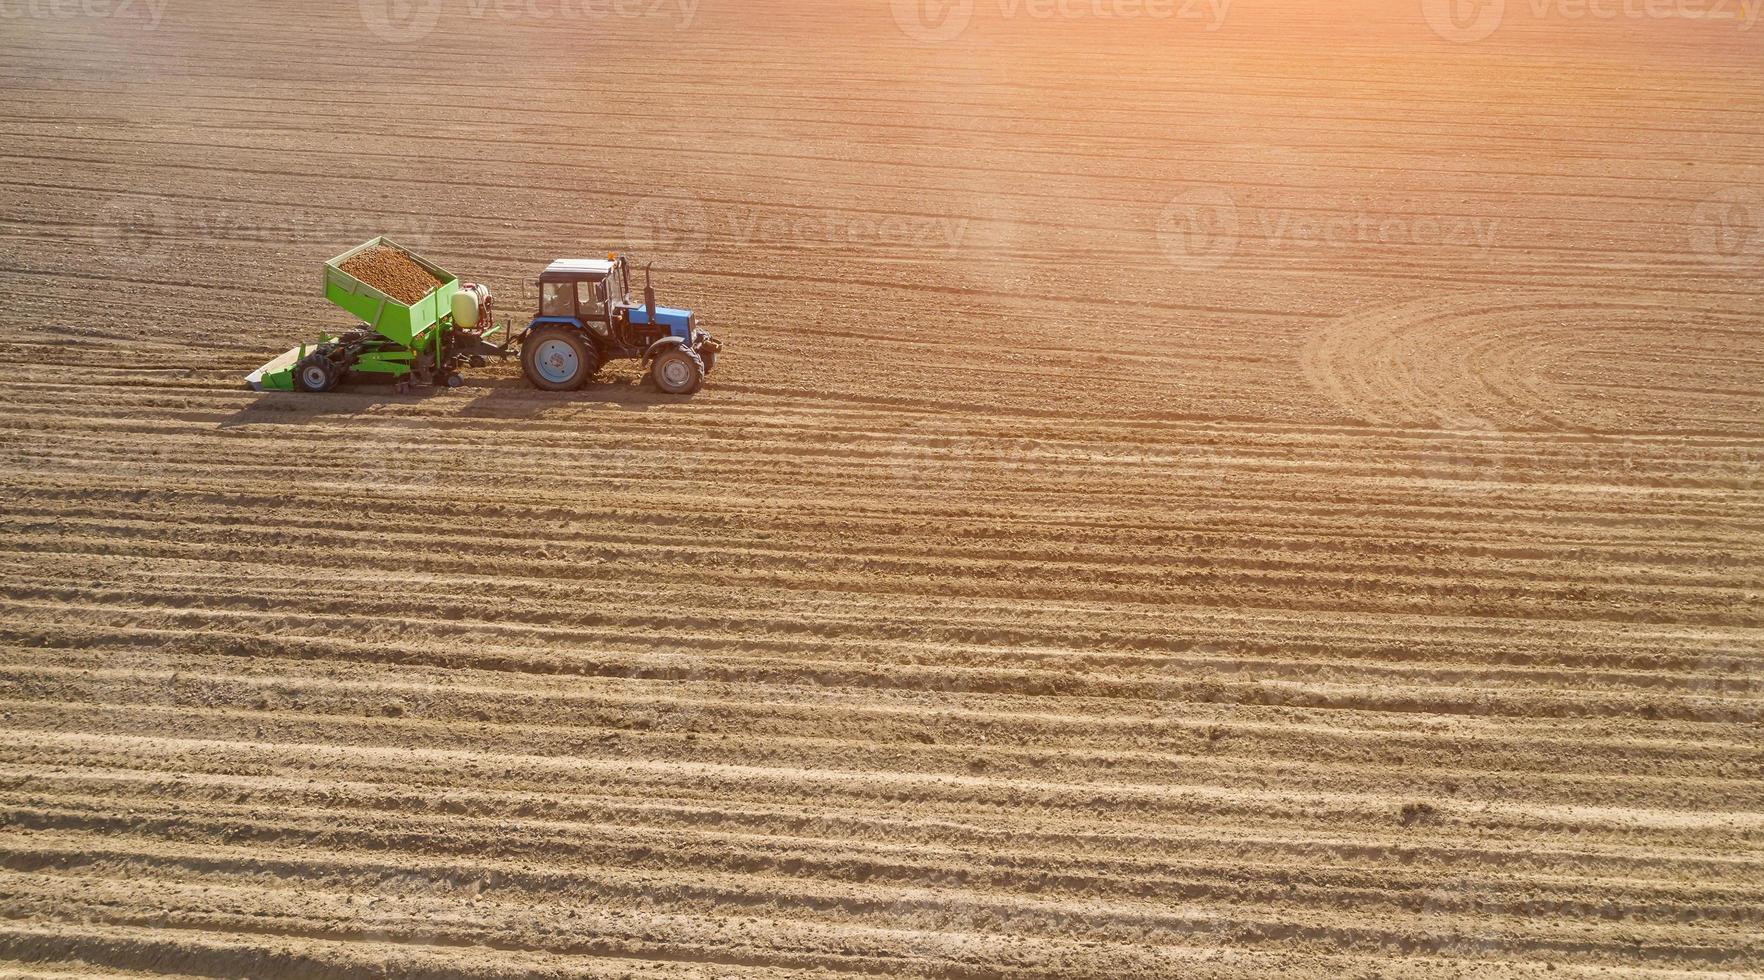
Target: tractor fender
(568,322)
(664,344)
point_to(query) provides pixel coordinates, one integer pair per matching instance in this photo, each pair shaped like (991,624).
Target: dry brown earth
(1277,500)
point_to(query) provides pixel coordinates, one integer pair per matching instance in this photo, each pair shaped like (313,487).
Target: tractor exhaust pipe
(648,292)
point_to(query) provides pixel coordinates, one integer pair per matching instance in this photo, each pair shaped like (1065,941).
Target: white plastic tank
(469,305)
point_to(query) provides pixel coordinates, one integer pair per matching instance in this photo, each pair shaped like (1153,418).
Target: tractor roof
(568,268)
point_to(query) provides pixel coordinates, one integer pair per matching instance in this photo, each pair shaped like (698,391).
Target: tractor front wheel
(677,371)
(316,373)
(557,359)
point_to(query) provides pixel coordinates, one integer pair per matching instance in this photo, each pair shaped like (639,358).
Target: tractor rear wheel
(677,371)
(558,359)
(316,373)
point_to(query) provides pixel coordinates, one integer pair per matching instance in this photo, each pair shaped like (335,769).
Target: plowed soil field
(1263,491)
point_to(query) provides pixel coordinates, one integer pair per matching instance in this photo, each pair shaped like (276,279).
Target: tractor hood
(666,315)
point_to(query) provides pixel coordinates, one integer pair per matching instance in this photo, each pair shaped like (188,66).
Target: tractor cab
(583,293)
(587,317)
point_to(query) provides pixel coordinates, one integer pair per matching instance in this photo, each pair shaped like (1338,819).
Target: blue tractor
(586,317)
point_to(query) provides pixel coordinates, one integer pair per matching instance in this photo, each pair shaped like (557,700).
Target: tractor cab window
(556,299)
(591,297)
